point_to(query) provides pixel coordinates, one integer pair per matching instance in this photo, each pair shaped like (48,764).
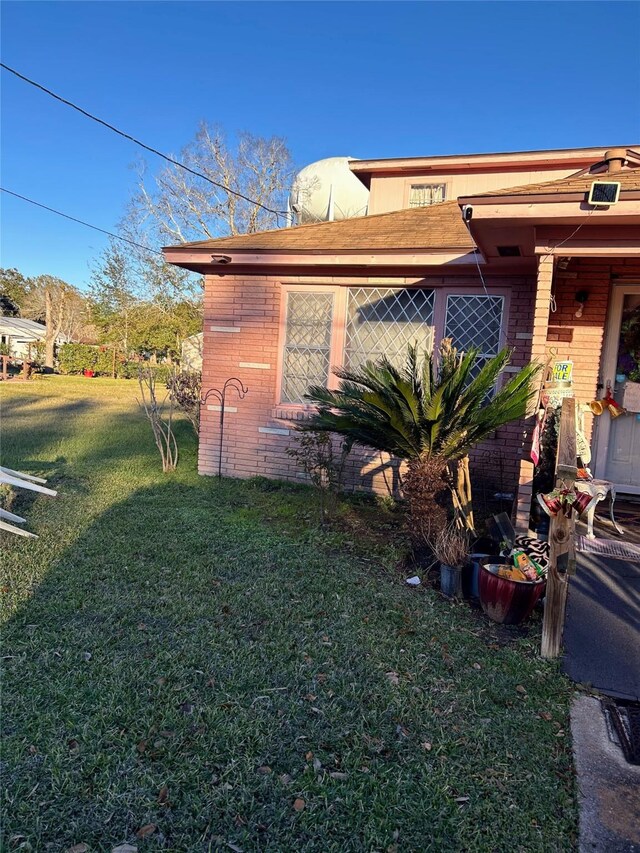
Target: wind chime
(607,404)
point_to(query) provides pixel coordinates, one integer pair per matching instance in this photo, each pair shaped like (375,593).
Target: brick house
(486,249)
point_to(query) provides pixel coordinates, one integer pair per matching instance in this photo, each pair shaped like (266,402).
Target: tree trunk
(427,494)
(50,334)
(460,485)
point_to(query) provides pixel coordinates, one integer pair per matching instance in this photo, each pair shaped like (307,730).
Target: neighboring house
(19,336)
(191,353)
(282,308)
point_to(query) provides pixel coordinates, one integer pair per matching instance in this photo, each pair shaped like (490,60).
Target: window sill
(290,412)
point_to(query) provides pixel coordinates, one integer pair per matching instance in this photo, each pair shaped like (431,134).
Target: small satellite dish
(604,193)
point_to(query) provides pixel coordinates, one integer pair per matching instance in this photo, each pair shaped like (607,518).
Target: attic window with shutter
(423,195)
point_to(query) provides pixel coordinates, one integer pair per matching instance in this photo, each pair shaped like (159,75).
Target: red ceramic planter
(507,601)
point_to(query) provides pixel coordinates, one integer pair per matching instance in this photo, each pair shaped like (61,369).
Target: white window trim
(338,336)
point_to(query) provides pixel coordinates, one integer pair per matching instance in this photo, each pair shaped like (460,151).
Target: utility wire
(81,222)
(138,142)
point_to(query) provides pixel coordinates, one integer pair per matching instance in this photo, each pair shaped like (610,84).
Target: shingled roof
(433,228)
(439,226)
(629,180)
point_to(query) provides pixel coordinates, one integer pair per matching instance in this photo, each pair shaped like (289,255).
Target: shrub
(162,372)
(185,388)
(160,416)
(74,358)
(323,464)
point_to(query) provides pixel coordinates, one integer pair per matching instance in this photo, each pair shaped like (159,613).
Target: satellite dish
(327,190)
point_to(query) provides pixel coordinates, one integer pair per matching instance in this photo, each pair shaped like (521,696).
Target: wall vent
(509,251)
(604,193)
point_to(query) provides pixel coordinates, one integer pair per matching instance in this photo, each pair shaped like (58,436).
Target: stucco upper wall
(391,192)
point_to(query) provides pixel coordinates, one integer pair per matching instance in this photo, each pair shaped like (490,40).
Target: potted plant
(505,599)
(451,549)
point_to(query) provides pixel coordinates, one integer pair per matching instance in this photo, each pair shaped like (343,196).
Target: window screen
(383,321)
(475,321)
(307,345)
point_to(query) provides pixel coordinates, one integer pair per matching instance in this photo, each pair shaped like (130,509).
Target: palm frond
(424,409)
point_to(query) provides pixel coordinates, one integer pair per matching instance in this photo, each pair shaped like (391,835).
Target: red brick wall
(258,434)
(581,338)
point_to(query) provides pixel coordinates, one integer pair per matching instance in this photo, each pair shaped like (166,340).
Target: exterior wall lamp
(581,300)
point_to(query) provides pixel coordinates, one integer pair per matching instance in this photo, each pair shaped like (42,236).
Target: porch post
(538,353)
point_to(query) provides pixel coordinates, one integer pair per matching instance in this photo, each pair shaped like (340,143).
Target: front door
(618,439)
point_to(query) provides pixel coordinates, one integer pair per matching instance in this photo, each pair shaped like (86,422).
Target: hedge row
(76,358)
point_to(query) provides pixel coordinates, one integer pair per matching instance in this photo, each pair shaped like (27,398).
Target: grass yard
(192,665)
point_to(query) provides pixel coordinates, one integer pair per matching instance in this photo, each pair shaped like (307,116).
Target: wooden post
(562,556)
(113,364)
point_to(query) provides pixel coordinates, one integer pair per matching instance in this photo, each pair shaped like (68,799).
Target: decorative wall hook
(221,395)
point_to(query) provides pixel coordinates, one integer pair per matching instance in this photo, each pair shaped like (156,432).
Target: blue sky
(383,79)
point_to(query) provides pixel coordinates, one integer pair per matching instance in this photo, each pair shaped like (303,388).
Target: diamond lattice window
(383,321)
(475,321)
(308,344)
(423,195)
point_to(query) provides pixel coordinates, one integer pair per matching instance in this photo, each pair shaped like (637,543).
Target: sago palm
(430,413)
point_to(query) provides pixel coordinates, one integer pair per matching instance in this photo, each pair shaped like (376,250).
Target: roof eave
(563,157)
(539,198)
(207,262)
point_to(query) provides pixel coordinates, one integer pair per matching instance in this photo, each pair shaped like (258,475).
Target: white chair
(598,489)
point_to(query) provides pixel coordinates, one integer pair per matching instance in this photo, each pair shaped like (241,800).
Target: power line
(138,142)
(81,222)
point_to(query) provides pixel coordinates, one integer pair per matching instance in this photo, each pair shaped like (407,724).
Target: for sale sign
(562,371)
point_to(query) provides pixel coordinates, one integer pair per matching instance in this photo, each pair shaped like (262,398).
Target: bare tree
(61,307)
(174,206)
(161,427)
(185,207)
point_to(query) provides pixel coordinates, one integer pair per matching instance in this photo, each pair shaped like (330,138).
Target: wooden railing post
(562,555)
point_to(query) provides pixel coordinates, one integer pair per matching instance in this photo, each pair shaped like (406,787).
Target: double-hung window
(337,326)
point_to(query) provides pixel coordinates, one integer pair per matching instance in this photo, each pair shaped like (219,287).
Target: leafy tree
(13,289)
(430,414)
(158,331)
(128,317)
(113,296)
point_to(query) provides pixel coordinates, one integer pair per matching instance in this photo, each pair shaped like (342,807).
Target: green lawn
(198,656)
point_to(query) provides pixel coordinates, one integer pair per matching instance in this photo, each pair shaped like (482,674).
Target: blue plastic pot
(470,576)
